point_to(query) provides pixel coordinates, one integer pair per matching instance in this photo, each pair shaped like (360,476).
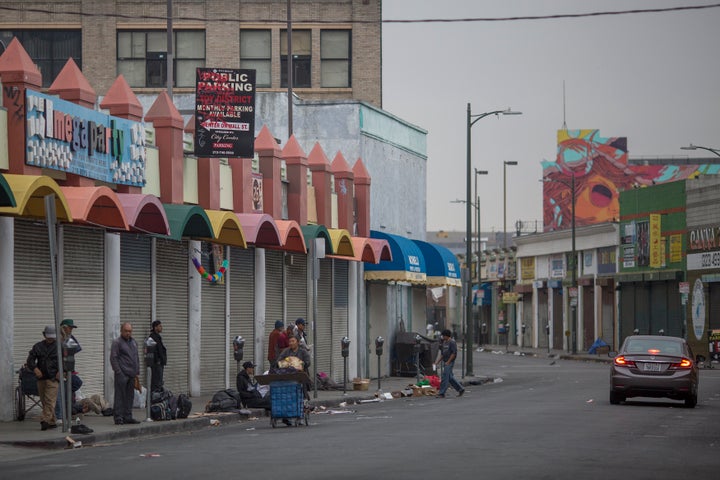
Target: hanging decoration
(214,278)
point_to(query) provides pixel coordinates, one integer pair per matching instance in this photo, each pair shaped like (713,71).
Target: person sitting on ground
(248,388)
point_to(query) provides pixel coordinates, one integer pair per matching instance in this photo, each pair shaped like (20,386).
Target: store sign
(527,268)
(704,239)
(63,136)
(224,112)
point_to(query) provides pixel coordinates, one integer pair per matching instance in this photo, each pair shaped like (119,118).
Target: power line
(162,18)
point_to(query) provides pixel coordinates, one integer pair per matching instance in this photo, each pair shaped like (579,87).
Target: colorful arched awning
(144,213)
(407,264)
(342,243)
(227,228)
(291,236)
(371,250)
(311,232)
(7,199)
(259,229)
(95,206)
(442,266)
(30,191)
(187,221)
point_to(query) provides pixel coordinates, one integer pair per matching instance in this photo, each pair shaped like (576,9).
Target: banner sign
(61,135)
(224,112)
(656,257)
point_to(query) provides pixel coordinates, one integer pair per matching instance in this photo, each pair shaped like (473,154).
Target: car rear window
(655,347)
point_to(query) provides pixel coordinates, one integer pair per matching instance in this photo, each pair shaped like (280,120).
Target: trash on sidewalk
(214,422)
(73,443)
(150,455)
(371,400)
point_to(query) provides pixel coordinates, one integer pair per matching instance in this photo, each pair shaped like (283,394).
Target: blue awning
(407,265)
(442,266)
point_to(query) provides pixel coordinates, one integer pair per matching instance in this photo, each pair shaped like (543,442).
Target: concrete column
(353,321)
(194,320)
(260,280)
(7,317)
(112,305)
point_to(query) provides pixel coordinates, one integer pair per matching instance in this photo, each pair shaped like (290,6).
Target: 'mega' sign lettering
(67,137)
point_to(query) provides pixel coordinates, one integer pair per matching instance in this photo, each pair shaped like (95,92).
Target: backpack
(159,395)
(172,404)
(184,406)
(160,411)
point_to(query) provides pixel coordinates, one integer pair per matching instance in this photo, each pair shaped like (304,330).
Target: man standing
(448,353)
(274,343)
(43,362)
(158,367)
(66,328)
(300,333)
(126,365)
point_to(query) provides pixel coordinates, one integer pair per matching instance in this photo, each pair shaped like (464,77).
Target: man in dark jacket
(157,369)
(43,362)
(126,365)
(247,386)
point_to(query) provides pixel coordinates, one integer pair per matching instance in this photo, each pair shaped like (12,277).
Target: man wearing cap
(448,354)
(43,362)
(274,343)
(158,367)
(247,386)
(300,333)
(66,328)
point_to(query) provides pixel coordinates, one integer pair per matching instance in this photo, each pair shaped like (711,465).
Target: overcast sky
(651,77)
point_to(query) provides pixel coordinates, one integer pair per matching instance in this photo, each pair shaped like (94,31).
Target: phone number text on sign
(703,261)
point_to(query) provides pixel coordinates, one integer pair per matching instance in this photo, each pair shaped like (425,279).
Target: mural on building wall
(601,171)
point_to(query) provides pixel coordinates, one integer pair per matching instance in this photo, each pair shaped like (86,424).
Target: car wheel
(691,400)
(616,398)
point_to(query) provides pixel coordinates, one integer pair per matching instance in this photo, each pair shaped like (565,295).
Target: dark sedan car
(654,366)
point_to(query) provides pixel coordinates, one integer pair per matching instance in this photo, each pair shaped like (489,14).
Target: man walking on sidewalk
(448,354)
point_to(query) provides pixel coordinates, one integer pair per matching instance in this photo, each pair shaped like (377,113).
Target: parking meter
(636,331)
(547,333)
(523,328)
(345,346)
(70,348)
(150,348)
(661,332)
(379,341)
(238,345)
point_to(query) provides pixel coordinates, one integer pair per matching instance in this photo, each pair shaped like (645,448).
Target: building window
(256,54)
(49,49)
(142,57)
(335,58)
(301,48)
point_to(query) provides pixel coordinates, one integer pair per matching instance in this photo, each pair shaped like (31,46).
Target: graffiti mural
(600,169)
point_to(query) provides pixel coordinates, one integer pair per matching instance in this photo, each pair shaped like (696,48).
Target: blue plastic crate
(286,399)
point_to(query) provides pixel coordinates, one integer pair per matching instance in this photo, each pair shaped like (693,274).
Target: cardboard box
(361,384)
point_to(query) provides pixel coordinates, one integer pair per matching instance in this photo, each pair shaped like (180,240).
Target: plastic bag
(140,398)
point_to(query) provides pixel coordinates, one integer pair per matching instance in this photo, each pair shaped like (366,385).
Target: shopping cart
(26,393)
(287,397)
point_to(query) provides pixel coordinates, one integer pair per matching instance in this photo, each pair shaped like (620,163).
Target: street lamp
(573,308)
(505,165)
(698,147)
(472,120)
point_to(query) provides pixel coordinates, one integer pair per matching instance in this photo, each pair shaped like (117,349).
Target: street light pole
(505,164)
(698,147)
(471,120)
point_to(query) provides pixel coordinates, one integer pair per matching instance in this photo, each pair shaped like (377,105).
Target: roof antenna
(564,126)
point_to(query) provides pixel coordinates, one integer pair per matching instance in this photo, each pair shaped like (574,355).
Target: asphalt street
(546,419)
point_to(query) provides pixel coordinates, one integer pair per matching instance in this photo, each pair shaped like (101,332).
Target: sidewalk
(28,434)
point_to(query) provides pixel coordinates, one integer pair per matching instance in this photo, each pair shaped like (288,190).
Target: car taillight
(621,361)
(684,364)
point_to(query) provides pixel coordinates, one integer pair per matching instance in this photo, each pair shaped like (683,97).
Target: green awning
(187,221)
(7,199)
(311,232)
